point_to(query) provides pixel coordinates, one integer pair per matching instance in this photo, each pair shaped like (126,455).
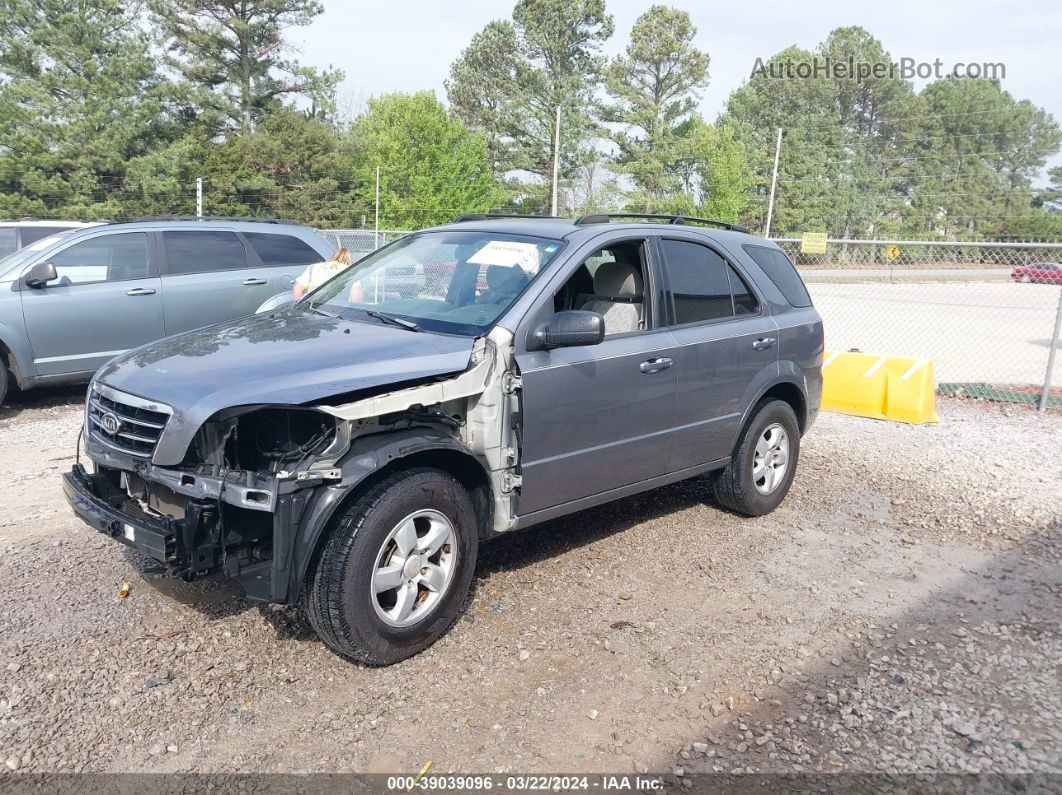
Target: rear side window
(202,252)
(31,234)
(278,250)
(701,281)
(780,270)
(745,302)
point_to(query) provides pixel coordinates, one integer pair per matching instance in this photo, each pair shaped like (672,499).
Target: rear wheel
(396,572)
(5,381)
(764,462)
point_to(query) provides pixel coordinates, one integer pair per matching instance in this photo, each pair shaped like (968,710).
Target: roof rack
(679,220)
(241,218)
(488,216)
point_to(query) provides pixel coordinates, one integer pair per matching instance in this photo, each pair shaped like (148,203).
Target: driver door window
(612,282)
(109,258)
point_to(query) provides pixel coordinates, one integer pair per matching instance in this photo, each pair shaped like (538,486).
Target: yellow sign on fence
(813,243)
(892,252)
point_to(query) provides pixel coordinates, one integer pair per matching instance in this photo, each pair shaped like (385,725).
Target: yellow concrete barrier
(897,388)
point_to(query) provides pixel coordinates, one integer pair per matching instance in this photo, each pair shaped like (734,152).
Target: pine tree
(232,55)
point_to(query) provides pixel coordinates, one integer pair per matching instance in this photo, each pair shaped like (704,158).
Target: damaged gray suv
(352,451)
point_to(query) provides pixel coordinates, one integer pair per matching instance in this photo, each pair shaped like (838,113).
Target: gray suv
(353,450)
(72,301)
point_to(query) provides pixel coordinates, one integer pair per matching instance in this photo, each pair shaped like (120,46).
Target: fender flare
(367,456)
(786,372)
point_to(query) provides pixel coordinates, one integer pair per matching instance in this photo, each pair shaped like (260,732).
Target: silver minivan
(72,301)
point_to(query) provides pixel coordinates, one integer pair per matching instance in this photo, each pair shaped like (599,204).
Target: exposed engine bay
(252,473)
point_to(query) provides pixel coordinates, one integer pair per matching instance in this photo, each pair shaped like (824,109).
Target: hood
(289,357)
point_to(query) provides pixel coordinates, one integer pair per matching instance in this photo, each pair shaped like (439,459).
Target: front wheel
(5,381)
(396,572)
(761,470)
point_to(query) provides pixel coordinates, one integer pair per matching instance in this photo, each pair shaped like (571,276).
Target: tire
(5,381)
(735,487)
(1026,279)
(365,549)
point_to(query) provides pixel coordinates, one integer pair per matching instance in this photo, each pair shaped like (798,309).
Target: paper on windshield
(508,253)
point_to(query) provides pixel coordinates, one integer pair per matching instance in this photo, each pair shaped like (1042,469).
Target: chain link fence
(985,313)
(360,242)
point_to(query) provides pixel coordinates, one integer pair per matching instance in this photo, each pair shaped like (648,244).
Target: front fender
(13,338)
(366,456)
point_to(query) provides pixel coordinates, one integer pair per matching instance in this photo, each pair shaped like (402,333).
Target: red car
(1042,272)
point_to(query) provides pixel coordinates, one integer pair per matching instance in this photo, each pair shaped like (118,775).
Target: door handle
(140,291)
(655,365)
(253,281)
(763,343)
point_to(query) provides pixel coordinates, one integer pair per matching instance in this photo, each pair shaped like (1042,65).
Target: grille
(124,422)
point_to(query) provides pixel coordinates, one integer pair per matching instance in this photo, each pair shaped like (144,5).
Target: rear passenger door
(724,338)
(286,256)
(207,278)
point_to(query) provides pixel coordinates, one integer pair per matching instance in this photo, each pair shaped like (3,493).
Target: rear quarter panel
(800,331)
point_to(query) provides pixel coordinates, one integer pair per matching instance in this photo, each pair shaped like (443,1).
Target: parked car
(72,301)
(353,450)
(1040,272)
(19,234)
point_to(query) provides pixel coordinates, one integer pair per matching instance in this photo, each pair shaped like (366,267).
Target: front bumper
(99,505)
(256,548)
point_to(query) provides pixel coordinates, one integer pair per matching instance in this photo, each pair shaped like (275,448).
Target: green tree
(713,167)
(654,86)
(289,166)
(483,87)
(841,136)
(432,167)
(511,79)
(233,56)
(80,98)
(974,157)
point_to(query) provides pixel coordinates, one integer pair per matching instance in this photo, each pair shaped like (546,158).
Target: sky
(409,45)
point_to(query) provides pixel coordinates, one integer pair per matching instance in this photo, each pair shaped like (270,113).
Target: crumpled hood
(288,357)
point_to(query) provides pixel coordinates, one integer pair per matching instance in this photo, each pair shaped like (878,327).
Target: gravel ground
(899,613)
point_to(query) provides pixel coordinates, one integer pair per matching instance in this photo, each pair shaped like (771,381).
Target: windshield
(452,282)
(12,262)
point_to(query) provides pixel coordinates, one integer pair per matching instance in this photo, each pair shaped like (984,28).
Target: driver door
(595,418)
(107,299)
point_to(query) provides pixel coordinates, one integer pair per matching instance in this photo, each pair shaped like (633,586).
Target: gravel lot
(899,613)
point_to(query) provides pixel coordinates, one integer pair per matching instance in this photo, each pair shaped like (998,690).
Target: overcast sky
(408,45)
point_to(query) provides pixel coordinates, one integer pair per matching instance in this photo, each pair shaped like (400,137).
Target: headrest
(618,280)
(501,277)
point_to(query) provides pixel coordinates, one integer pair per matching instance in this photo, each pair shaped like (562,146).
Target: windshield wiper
(318,310)
(394,321)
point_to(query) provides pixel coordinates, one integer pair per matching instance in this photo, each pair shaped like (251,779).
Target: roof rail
(240,218)
(487,216)
(604,218)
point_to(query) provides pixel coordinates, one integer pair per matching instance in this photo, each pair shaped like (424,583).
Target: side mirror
(40,274)
(568,329)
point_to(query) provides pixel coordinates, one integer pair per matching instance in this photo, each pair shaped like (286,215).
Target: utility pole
(376,232)
(556,159)
(774,182)
(199,198)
